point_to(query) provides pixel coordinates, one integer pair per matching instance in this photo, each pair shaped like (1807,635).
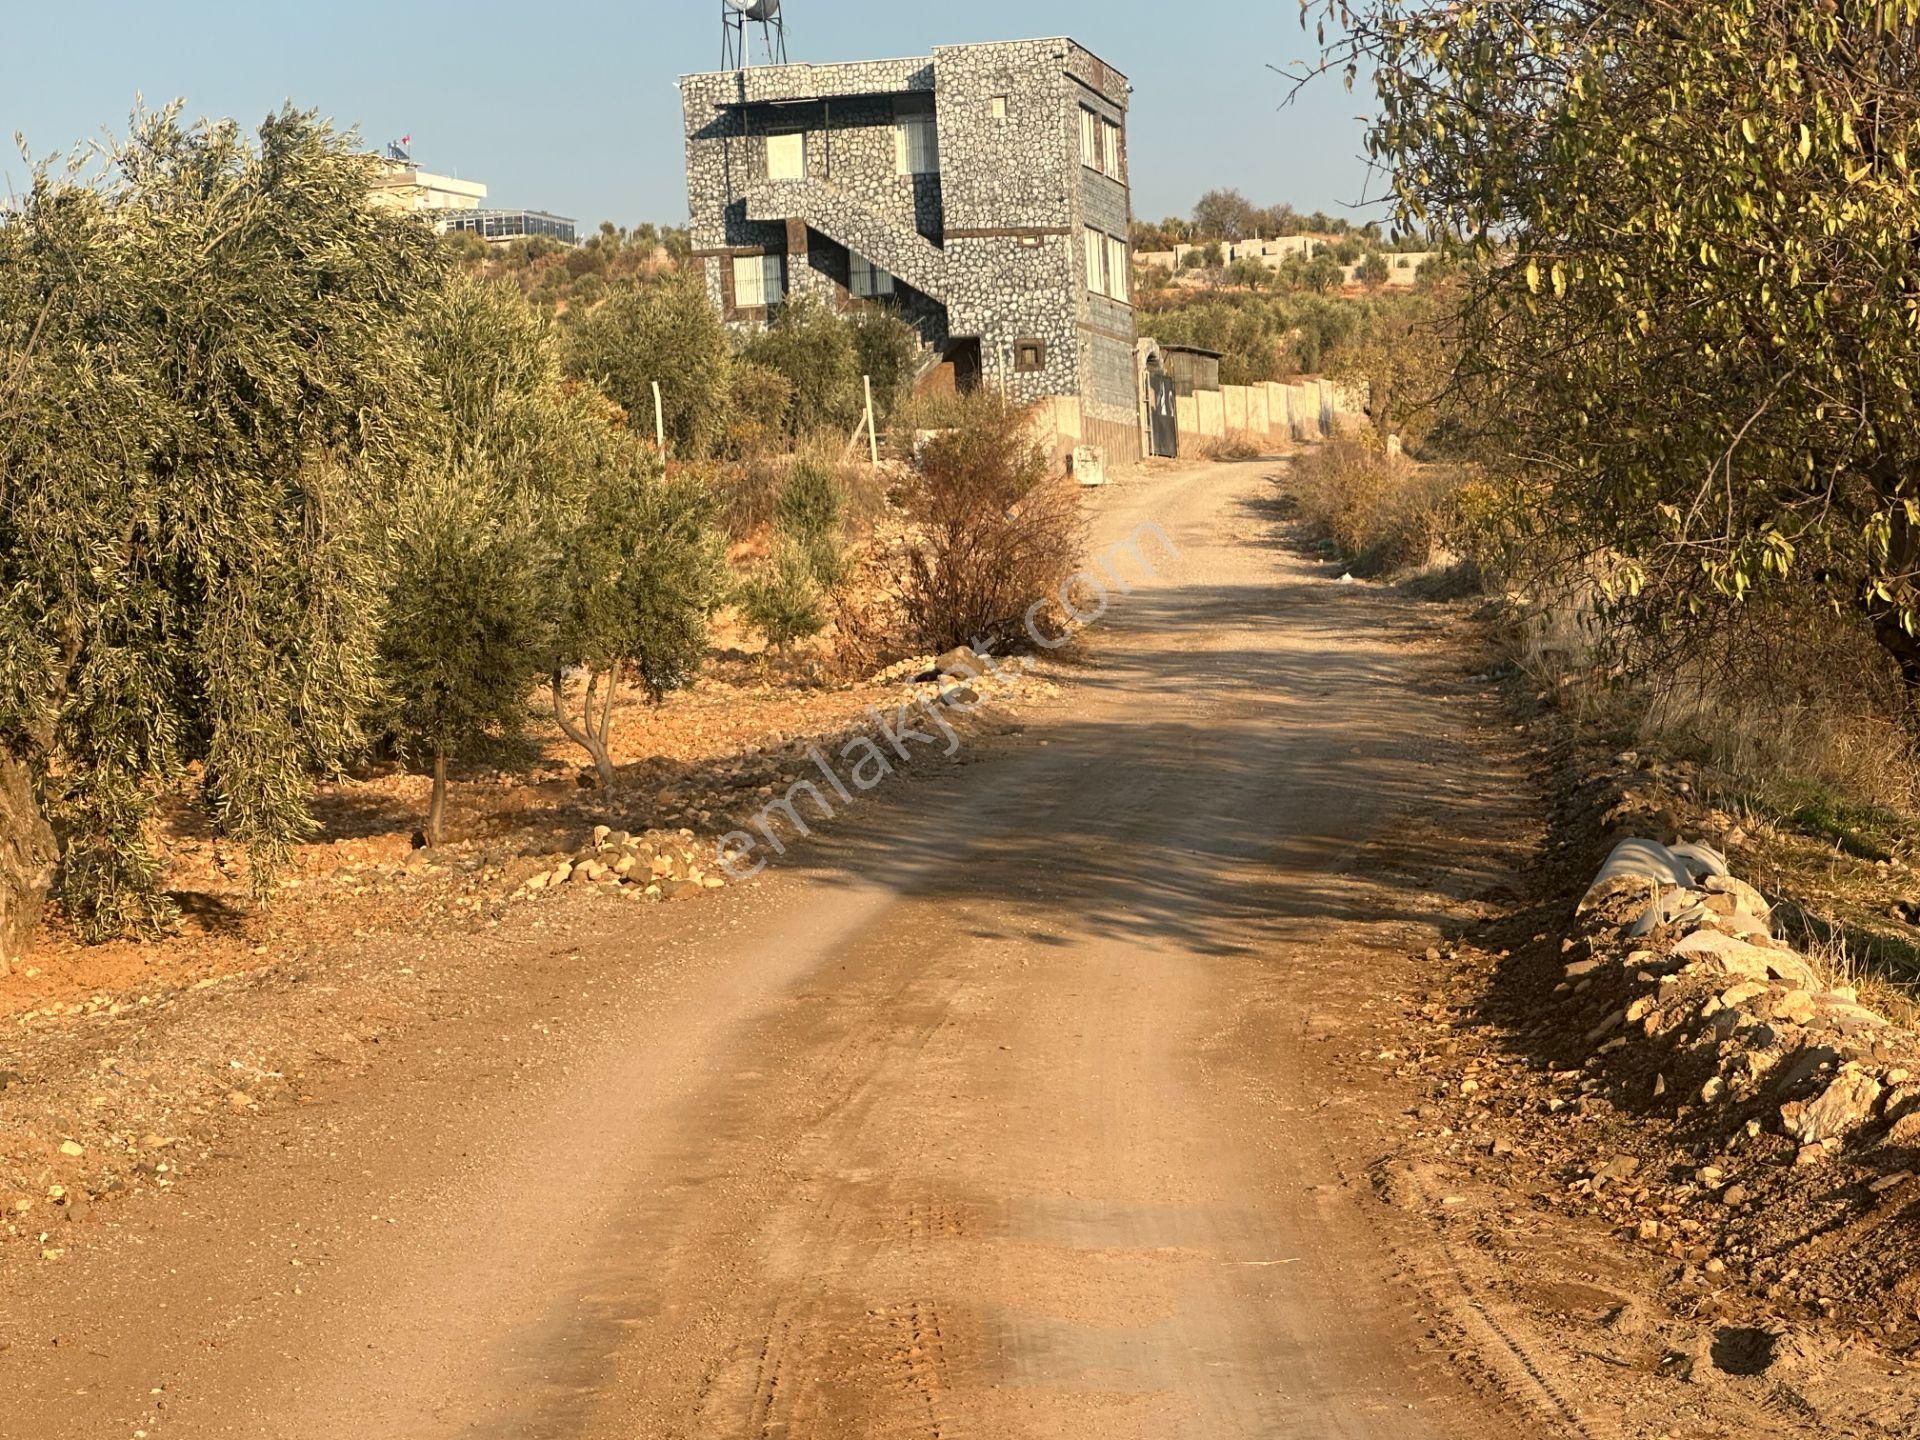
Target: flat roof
(911,59)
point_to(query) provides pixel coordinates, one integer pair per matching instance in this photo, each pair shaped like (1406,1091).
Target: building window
(1029,356)
(998,107)
(916,144)
(757,282)
(1089,138)
(870,282)
(1110,148)
(1096,262)
(787,156)
(1117,269)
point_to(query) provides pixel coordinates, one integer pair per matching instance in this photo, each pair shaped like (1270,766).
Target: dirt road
(1002,1110)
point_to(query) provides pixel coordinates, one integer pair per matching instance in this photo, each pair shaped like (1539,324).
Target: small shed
(1192,368)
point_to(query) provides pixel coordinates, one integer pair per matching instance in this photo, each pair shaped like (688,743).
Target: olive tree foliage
(642,568)
(815,350)
(536,536)
(661,329)
(462,622)
(207,365)
(503,460)
(1689,237)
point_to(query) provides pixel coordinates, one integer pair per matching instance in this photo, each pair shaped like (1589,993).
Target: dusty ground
(1100,1080)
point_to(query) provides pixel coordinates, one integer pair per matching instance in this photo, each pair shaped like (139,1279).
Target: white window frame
(1089,138)
(1109,148)
(784,148)
(867,280)
(1117,264)
(759,283)
(1096,248)
(916,144)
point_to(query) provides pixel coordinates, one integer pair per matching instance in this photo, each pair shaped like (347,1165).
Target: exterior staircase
(844,217)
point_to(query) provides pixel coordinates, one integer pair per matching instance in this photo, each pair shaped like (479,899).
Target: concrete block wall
(1234,398)
(1212,408)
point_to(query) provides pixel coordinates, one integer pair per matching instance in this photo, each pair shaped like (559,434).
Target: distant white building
(402,185)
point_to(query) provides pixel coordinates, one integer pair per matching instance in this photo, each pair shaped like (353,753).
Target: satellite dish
(755,9)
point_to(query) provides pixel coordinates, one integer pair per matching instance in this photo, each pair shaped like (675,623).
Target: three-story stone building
(982,189)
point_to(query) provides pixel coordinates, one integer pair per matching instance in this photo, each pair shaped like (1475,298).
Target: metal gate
(1162,412)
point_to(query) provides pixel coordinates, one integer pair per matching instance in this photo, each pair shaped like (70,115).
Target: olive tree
(641,572)
(505,458)
(661,329)
(463,620)
(208,365)
(1689,246)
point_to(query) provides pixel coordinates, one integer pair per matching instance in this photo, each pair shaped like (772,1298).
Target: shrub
(786,598)
(1384,512)
(889,350)
(1234,446)
(781,599)
(995,532)
(758,399)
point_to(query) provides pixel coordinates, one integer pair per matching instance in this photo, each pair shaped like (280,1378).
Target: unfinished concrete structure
(982,189)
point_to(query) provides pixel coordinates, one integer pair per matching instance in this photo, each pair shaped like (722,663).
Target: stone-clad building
(983,189)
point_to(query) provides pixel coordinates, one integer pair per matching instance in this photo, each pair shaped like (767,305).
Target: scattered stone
(1905,1132)
(73,1149)
(1796,1007)
(1621,1167)
(1843,1107)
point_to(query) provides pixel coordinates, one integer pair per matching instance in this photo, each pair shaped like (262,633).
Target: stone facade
(988,249)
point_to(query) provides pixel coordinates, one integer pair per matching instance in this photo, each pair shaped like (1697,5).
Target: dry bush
(749,489)
(1782,698)
(1384,512)
(1826,710)
(994,531)
(1235,445)
(923,410)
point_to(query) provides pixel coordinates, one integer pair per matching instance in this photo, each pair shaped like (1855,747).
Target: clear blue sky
(571,107)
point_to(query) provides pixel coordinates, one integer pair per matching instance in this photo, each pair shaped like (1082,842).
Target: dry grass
(1819,723)
(748,489)
(1235,445)
(1839,967)
(1386,514)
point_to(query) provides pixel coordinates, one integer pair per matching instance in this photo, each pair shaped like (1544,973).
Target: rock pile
(656,865)
(1730,1018)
